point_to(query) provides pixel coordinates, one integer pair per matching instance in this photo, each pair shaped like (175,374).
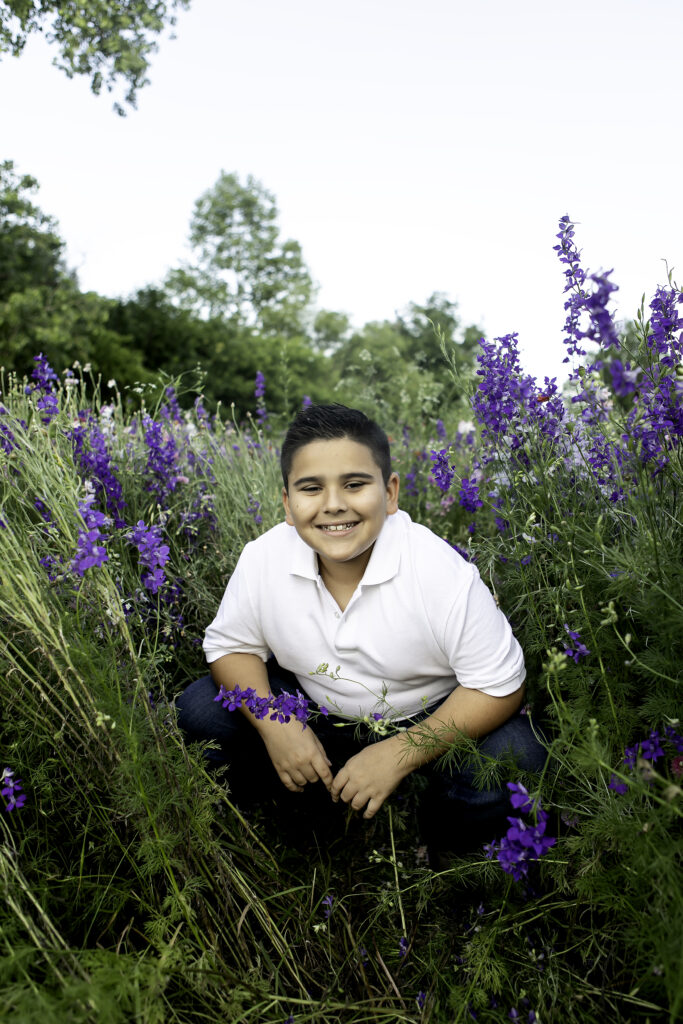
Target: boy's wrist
(405,751)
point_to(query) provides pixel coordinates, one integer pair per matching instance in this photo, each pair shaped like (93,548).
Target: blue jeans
(453,814)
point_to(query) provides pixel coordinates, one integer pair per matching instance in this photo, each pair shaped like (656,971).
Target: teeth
(340,528)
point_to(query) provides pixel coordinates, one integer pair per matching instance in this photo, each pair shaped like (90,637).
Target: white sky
(412,147)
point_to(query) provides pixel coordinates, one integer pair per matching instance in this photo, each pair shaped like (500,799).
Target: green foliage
(41,306)
(110,42)
(242,271)
(133,889)
(394,370)
(243,306)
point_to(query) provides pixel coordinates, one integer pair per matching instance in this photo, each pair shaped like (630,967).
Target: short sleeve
(479,643)
(236,628)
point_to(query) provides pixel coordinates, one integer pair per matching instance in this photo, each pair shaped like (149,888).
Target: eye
(355,484)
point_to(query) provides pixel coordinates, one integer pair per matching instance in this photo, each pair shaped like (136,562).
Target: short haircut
(328,423)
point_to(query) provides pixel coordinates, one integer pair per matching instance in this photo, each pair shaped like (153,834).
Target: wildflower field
(135,890)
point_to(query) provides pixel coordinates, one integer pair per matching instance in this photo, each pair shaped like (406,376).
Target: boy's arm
(371,775)
(297,754)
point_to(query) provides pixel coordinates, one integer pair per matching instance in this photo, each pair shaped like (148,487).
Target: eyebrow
(344,476)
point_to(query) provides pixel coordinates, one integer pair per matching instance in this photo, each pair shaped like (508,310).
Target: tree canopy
(243,305)
(241,270)
(110,41)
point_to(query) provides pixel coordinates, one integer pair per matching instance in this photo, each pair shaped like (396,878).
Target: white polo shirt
(420,622)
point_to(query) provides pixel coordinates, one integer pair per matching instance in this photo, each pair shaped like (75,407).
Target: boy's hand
(297,754)
(370,776)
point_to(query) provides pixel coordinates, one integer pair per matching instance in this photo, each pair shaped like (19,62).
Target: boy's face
(338,500)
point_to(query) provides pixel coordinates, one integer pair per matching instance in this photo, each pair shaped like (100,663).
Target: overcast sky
(412,147)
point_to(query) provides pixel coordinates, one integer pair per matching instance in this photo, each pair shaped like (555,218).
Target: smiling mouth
(338,527)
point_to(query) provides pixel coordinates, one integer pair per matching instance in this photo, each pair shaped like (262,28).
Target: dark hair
(329,422)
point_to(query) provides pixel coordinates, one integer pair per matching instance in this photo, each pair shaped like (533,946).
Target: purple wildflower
(461,551)
(421,999)
(43,509)
(402,946)
(520,798)
(624,379)
(617,785)
(440,430)
(90,553)
(94,461)
(153,554)
(259,395)
(7,439)
(328,903)
(442,470)
(578,650)
(601,329)
(673,738)
(281,708)
(524,842)
(664,322)
(468,497)
(162,458)
(410,485)
(651,748)
(171,412)
(306,402)
(253,510)
(11,791)
(507,403)
(44,375)
(199,410)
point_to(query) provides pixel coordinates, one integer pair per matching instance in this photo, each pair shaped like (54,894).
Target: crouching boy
(349,580)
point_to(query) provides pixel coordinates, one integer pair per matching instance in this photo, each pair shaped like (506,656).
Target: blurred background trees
(242,302)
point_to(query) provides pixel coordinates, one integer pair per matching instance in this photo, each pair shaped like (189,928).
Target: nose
(335,500)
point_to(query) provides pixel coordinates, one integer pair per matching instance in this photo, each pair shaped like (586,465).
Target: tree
(377,374)
(30,249)
(425,326)
(242,271)
(108,40)
(41,306)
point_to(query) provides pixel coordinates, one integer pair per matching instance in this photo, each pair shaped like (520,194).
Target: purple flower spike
(617,785)
(259,395)
(524,842)
(442,470)
(402,946)
(11,791)
(468,497)
(328,903)
(578,650)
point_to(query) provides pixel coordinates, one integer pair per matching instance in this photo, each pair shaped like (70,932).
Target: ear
(393,485)
(285,502)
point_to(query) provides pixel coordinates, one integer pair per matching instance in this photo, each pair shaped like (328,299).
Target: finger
(359,801)
(290,784)
(372,808)
(322,767)
(322,751)
(340,780)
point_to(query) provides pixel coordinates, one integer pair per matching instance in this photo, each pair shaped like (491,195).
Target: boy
(350,580)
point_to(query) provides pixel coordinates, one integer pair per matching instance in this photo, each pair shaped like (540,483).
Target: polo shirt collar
(384,560)
(386,554)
